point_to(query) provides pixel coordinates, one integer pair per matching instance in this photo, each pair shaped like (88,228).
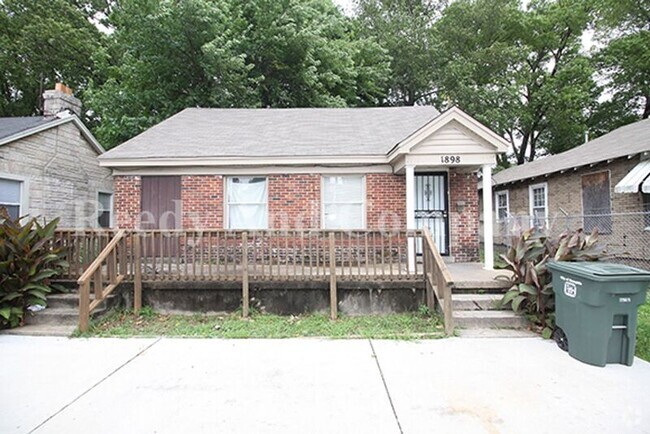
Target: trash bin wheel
(560,339)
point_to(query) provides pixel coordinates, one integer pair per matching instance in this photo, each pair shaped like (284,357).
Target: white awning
(638,175)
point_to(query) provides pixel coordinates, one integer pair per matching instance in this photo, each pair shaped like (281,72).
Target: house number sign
(450,159)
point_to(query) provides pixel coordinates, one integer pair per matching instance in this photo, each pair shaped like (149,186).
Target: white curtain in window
(343,202)
(247,205)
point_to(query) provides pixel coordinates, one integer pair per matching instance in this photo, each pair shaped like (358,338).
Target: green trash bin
(596,305)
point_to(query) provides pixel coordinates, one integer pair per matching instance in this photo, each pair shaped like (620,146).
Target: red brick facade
(386,201)
(294,202)
(463,216)
(126,201)
(202,201)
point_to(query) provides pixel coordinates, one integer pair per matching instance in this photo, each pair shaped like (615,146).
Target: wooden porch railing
(110,268)
(251,256)
(437,280)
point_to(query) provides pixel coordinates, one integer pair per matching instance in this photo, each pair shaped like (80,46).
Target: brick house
(604,184)
(49,167)
(316,168)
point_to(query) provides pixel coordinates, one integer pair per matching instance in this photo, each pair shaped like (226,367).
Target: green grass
(643,332)
(418,325)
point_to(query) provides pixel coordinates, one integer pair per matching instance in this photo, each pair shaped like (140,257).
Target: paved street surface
(459,385)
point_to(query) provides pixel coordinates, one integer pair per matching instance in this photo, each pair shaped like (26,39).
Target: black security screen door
(431,208)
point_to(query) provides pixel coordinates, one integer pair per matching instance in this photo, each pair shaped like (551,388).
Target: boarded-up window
(596,202)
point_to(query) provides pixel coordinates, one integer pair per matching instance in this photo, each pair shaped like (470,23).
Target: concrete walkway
(59,385)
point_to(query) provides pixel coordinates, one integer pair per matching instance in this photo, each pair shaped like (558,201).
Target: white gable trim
(498,143)
(63,118)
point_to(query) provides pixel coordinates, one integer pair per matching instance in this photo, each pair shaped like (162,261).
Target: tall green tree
(167,55)
(42,43)
(405,29)
(623,29)
(519,70)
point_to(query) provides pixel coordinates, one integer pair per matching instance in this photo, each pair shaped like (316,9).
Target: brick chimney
(60,99)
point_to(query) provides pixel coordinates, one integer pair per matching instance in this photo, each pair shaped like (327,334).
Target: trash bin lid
(601,270)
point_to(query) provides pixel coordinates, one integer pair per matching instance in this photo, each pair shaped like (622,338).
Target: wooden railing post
(84,306)
(137,274)
(447,309)
(244,283)
(333,300)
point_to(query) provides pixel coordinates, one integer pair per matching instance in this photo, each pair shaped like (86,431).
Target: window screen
(10,196)
(343,202)
(105,210)
(247,203)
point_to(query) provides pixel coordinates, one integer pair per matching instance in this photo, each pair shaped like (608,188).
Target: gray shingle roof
(628,140)
(200,132)
(14,125)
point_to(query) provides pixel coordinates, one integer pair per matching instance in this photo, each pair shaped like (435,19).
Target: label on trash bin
(570,286)
(625,299)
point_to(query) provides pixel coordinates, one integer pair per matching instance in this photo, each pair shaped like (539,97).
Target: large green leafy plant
(29,258)
(527,259)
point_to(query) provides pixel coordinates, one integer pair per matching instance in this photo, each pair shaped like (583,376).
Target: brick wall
(294,201)
(565,190)
(386,201)
(463,216)
(126,201)
(202,201)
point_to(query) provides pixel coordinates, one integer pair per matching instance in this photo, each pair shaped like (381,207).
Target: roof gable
(36,124)
(454,131)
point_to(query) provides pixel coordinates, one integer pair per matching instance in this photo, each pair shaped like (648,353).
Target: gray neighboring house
(49,166)
(603,184)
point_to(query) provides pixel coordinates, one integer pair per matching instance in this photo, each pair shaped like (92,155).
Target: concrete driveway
(459,385)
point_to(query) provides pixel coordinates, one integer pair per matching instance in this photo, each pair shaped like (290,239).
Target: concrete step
(41,330)
(57,316)
(475,301)
(68,300)
(488,319)
(496,333)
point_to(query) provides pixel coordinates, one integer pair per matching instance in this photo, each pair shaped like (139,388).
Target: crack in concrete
(114,371)
(383,380)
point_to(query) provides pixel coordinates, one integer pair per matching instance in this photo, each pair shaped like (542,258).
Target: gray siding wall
(61,174)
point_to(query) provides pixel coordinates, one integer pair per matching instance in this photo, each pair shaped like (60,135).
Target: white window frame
(111,223)
(226,207)
(23,206)
(505,193)
(363,203)
(531,201)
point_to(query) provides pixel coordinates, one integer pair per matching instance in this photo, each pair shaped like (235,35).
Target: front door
(161,210)
(431,208)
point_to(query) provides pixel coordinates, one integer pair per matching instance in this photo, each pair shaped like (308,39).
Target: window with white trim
(11,192)
(502,204)
(247,202)
(104,210)
(343,202)
(538,199)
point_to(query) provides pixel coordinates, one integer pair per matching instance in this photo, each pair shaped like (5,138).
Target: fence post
(84,305)
(244,264)
(137,274)
(333,300)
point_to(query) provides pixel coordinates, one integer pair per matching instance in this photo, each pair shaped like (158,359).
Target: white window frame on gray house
(498,207)
(329,215)
(22,202)
(261,203)
(101,210)
(533,206)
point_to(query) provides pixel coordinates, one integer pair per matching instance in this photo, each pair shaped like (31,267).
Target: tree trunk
(646,110)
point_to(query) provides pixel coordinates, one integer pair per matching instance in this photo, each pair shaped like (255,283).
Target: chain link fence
(626,235)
